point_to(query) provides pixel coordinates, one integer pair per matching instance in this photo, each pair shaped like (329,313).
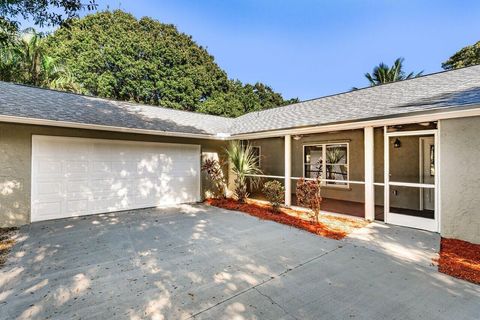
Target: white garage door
(76,176)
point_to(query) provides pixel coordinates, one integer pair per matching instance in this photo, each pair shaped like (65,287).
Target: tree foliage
(465,57)
(24,60)
(114,55)
(42,12)
(384,74)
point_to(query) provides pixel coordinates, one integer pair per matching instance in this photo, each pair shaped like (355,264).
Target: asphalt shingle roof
(30,102)
(449,89)
(445,90)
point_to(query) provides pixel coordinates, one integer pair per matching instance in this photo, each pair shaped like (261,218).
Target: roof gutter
(360,124)
(69,124)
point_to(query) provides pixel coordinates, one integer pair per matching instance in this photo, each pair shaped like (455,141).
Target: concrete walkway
(206,263)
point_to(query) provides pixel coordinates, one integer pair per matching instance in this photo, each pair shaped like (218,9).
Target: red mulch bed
(329,226)
(460,259)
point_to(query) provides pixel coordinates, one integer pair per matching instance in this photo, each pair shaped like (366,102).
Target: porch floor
(356,209)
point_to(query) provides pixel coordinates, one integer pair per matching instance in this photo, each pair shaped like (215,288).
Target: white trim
(438,204)
(361,124)
(386,176)
(68,124)
(288,170)
(420,168)
(265,176)
(412,184)
(311,179)
(401,219)
(324,164)
(369,155)
(394,120)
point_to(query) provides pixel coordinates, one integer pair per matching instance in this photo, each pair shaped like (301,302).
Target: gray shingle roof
(30,102)
(449,89)
(445,90)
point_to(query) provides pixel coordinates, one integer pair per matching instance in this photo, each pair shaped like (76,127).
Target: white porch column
(288,170)
(369,175)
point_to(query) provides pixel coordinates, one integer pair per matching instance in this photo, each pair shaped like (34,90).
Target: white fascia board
(75,125)
(397,120)
(424,117)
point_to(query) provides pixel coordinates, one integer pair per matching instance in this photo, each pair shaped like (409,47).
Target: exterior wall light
(397,143)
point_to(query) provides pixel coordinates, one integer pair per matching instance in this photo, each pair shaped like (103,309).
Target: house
(407,153)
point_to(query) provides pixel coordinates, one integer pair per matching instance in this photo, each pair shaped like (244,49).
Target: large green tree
(239,99)
(41,12)
(465,57)
(114,55)
(384,74)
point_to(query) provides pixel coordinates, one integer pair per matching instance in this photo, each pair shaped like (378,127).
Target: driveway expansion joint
(265,282)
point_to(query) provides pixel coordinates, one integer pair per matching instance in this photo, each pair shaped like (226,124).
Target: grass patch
(328,226)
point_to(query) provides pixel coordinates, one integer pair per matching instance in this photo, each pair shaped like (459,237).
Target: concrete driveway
(207,263)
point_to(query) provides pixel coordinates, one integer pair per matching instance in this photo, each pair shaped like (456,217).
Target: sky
(308,48)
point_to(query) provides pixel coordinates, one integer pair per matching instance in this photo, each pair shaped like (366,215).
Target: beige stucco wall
(15,162)
(460,178)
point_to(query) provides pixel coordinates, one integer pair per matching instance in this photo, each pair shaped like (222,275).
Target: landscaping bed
(7,240)
(328,226)
(460,259)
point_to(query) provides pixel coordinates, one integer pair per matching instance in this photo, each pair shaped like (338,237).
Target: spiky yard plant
(214,169)
(244,163)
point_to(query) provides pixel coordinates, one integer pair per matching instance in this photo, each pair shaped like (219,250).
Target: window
(327,161)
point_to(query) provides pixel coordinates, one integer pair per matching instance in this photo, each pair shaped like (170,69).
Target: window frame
(324,145)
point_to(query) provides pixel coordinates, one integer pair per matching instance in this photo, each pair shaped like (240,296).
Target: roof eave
(396,119)
(76,125)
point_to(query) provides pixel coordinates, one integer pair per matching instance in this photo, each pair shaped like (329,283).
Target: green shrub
(274,192)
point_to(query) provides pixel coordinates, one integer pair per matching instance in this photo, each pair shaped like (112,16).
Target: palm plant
(9,62)
(244,164)
(384,74)
(25,61)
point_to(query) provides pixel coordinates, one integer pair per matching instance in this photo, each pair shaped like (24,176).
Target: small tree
(213,168)
(274,192)
(244,163)
(309,196)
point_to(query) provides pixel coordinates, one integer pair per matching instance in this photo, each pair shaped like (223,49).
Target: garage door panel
(77,207)
(76,176)
(48,167)
(76,166)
